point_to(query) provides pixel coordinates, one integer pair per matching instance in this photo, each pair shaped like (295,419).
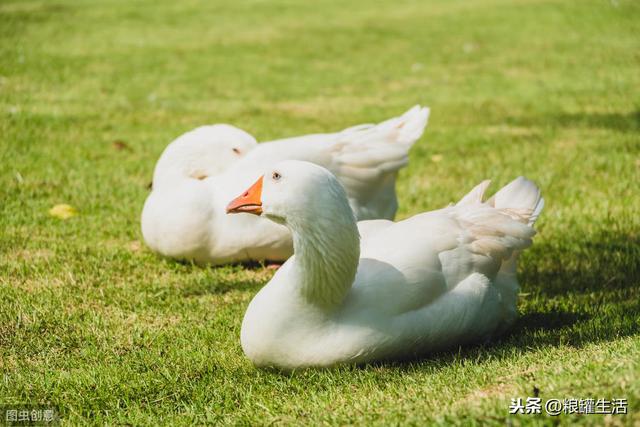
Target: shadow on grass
(629,122)
(603,262)
(219,286)
(548,321)
(217,279)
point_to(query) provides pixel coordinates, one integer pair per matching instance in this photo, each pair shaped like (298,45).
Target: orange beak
(249,201)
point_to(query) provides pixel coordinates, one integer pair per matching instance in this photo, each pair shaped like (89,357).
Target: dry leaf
(63,211)
(135,246)
(436,158)
(121,145)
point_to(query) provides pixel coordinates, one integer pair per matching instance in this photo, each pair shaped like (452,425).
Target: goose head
(200,153)
(296,193)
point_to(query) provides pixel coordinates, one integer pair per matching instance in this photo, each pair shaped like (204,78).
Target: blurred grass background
(91,92)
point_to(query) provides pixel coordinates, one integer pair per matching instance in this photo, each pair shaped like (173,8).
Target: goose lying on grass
(184,216)
(434,281)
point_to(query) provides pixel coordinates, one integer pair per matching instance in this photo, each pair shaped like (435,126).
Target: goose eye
(236,150)
(276,176)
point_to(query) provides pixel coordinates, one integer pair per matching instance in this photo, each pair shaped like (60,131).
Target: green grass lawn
(94,323)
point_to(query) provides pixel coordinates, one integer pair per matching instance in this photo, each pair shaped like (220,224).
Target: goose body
(184,215)
(434,281)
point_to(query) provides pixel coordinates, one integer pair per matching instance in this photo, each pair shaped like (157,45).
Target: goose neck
(326,254)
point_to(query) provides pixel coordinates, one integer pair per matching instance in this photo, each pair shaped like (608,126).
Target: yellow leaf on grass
(63,211)
(436,158)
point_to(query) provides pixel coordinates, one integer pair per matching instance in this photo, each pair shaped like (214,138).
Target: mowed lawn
(95,324)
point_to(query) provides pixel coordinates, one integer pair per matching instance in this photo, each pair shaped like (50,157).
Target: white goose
(202,152)
(433,281)
(184,216)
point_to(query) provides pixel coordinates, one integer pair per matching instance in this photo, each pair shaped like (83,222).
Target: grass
(95,324)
